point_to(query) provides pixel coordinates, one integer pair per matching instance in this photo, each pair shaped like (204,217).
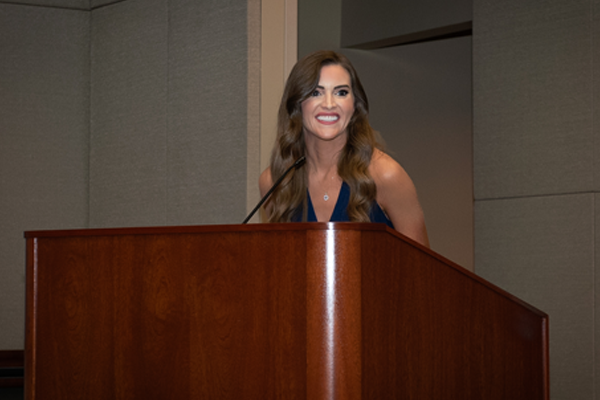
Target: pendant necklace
(326,183)
(326,197)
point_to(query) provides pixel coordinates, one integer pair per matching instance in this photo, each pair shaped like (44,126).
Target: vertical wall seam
(89,117)
(167,98)
(473,199)
(89,120)
(253,102)
(594,221)
(248,102)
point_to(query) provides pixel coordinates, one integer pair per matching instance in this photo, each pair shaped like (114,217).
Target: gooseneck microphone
(299,162)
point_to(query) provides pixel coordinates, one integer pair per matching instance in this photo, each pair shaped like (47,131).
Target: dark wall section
(379,20)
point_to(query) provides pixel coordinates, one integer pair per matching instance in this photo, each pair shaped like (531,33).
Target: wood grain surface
(295,311)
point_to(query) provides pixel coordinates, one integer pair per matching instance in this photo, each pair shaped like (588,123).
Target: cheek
(349,110)
(349,106)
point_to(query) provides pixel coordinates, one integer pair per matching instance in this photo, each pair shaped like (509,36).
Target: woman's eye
(315,93)
(343,93)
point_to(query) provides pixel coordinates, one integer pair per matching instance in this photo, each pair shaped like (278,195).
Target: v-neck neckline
(312,215)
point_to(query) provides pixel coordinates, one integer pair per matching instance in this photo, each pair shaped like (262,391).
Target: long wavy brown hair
(354,160)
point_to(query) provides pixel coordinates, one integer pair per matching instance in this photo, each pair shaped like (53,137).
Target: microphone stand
(299,162)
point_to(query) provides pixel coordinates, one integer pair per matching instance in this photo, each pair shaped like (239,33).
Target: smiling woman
(327,112)
(323,116)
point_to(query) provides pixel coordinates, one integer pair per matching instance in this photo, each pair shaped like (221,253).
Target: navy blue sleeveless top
(340,213)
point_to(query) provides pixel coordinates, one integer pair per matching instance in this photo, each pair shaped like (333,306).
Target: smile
(328,118)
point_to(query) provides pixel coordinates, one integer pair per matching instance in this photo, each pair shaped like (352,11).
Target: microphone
(299,162)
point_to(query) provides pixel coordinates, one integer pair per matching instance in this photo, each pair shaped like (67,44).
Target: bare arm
(397,196)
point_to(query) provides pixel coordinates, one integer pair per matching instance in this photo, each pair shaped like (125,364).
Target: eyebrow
(335,88)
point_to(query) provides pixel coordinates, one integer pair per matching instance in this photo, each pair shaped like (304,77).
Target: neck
(322,156)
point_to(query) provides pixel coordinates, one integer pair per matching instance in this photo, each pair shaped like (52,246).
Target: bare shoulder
(397,196)
(387,172)
(265,181)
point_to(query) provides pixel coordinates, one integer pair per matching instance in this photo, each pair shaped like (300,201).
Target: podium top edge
(191,229)
(267,227)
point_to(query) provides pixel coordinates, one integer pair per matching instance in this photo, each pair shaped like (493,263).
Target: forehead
(334,74)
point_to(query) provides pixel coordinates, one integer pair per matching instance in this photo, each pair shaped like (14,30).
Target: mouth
(328,118)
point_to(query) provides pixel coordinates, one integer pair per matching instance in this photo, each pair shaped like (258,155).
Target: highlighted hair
(354,160)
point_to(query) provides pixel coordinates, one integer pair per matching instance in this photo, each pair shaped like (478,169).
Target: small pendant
(325,197)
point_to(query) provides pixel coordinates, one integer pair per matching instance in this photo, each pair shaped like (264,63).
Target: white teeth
(328,118)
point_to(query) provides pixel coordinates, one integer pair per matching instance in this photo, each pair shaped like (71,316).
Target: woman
(347,177)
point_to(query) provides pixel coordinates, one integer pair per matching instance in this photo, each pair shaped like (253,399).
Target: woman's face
(327,112)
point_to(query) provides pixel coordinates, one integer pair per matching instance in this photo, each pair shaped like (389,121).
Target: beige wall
(155,126)
(44,140)
(129,113)
(536,137)
(169,113)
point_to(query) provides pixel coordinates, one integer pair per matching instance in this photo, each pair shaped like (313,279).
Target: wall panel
(169,101)
(596,315)
(207,112)
(541,249)
(536,170)
(44,125)
(128,159)
(533,121)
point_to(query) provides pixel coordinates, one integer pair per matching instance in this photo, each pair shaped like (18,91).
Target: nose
(329,100)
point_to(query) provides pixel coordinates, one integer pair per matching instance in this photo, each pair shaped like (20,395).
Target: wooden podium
(270,311)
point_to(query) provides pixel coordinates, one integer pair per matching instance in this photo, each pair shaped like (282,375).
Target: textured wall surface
(536,144)
(169,113)
(134,113)
(319,25)
(44,125)
(532,88)
(128,159)
(207,109)
(542,250)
